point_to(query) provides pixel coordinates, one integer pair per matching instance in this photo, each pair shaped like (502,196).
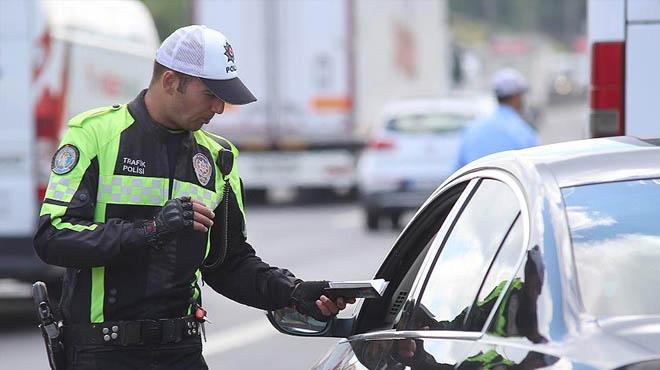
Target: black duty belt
(129,333)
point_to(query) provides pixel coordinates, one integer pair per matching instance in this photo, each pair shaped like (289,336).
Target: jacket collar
(138,109)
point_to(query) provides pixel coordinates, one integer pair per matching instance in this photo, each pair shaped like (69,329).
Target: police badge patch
(202,168)
(65,159)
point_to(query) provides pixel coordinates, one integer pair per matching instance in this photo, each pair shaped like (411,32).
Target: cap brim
(232,91)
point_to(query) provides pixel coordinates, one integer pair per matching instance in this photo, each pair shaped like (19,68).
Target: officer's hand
(308,299)
(202,216)
(406,348)
(175,216)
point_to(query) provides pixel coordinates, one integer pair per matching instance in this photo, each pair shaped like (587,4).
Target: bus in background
(58,58)
(623,39)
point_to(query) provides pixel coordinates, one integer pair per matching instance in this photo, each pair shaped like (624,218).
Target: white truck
(625,55)
(321,71)
(57,59)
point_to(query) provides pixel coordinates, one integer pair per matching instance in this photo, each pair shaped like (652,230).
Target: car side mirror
(291,322)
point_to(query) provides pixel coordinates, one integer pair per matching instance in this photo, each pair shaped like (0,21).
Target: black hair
(505,99)
(158,71)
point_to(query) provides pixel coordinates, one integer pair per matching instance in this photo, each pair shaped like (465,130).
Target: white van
(57,59)
(625,55)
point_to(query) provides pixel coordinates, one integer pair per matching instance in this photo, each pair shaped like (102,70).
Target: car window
(616,245)
(422,123)
(465,256)
(499,274)
(403,263)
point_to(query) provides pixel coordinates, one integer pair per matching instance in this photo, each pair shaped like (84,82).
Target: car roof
(582,162)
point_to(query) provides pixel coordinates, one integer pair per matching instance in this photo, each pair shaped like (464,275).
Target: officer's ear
(169,81)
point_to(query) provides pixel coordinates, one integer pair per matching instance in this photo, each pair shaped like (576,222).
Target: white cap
(508,82)
(205,53)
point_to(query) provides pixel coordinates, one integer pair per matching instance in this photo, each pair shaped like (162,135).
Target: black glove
(175,216)
(304,298)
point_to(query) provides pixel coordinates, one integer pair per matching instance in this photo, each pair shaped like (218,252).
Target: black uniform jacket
(120,175)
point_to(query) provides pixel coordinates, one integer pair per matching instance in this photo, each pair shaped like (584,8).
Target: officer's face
(194,105)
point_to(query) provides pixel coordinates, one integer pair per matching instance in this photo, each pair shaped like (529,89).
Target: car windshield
(616,244)
(423,123)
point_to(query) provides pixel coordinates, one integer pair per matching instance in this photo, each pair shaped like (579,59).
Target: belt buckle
(150,332)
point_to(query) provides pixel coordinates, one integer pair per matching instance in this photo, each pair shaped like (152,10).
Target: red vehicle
(624,67)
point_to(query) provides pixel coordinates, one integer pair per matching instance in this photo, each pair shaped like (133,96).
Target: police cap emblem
(229,52)
(65,159)
(202,168)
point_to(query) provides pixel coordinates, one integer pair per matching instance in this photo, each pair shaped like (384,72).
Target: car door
(470,221)
(372,348)
(444,317)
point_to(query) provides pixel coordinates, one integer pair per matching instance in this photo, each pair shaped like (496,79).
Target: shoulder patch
(78,120)
(65,159)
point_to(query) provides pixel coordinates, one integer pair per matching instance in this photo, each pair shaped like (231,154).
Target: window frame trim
(425,270)
(420,280)
(438,199)
(406,334)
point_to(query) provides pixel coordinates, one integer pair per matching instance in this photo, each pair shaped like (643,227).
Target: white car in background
(411,151)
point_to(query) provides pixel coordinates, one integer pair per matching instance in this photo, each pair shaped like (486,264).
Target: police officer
(142,207)
(504,129)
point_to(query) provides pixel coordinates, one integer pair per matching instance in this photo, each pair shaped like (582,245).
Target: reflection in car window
(429,123)
(516,315)
(465,257)
(500,273)
(616,244)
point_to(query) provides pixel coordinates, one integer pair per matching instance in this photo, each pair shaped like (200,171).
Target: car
(411,151)
(545,257)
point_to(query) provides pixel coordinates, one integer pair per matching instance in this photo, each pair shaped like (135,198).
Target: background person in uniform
(135,209)
(504,129)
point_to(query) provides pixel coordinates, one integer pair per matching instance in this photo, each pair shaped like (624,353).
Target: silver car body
(571,337)
(575,339)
